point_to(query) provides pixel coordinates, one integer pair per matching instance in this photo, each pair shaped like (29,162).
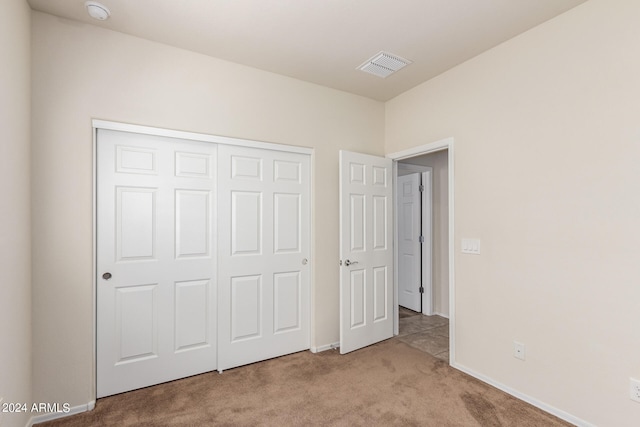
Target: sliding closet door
(156,260)
(264,198)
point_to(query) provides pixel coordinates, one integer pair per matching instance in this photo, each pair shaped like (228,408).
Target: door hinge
(421,239)
(421,188)
(421,289)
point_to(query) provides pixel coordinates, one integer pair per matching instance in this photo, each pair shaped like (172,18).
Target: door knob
(106,276)
(305,261)
(348,263)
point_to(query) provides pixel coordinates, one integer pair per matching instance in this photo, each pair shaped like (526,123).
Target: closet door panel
(156,278)
(264,273)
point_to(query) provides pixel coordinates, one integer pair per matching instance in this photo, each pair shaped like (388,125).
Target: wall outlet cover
(518,350)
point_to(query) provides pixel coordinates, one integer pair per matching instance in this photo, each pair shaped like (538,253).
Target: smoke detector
(383,64)
(97,10)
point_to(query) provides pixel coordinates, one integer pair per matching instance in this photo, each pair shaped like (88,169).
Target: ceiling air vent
(383,64)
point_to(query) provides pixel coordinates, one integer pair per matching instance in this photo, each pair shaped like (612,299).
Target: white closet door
(263,254)
(156,260)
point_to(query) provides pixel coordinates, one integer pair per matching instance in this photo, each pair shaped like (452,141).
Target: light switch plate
(471,246)
(634,389)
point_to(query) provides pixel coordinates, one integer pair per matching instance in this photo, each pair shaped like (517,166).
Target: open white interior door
(366,250)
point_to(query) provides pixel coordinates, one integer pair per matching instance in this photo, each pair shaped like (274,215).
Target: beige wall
(83,72)
(15,212)
(440,226)
(547,141)
(547,146)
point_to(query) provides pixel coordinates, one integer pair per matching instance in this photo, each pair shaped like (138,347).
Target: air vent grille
(384,64)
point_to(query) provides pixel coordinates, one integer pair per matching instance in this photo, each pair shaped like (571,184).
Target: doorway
(438,156)
(414,187)
(435,263)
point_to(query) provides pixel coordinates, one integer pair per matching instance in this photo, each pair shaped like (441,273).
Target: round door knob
(305,261)
(106,276)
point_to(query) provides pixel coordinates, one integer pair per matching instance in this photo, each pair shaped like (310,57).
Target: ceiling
(324,41)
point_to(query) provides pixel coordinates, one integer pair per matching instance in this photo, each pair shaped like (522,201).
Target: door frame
(440,145)
(201,137)
(426,220)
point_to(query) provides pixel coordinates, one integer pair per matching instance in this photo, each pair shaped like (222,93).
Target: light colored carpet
(387,384)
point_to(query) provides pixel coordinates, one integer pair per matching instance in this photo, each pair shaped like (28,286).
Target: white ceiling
(323,41)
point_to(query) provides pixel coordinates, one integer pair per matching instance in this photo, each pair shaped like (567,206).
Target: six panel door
(156,260)
(161,313)
(264,246)
(366,250)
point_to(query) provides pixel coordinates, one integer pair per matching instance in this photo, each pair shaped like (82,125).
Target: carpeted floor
(387,384)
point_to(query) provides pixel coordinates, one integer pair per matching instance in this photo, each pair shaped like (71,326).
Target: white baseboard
(332,346)
(532,401)
(53,416)
(446,316)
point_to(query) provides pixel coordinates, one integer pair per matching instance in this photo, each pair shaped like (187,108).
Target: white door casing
(156,260)
(366,250)
(409,246)
(264,246)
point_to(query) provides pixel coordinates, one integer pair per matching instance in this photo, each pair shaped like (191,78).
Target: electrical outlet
(634,389)
(518,350)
